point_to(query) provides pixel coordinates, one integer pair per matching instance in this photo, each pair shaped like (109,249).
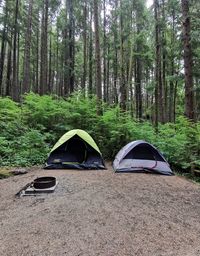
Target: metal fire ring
(44,182)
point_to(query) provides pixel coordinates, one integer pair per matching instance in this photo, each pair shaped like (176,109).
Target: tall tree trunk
(115,61)
(44,49)
(70,11)
(84,45)
(97,57)
(3,48)
(107,73)
(138,73)
(8,75)
(104,51)
(189,94)
(56,89)
(50,66)
(130,77)
(18,56)
(171,117)
(164,88)
(66,62)
(15,86)
(198,102)
(159,106)
(138,84)
(27,50)
(90,75)
(122,73)
(2,58)
(37,89)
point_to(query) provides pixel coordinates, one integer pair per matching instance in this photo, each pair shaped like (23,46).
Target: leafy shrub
(26,150)
(29,130)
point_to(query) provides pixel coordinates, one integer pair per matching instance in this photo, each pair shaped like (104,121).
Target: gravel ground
(101,213)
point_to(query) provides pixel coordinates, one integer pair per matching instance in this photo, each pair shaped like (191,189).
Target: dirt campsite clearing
(101,213)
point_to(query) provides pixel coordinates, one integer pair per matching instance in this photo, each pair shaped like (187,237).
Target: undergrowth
(29,130)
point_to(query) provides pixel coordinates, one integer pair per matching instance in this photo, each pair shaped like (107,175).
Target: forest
(120,69)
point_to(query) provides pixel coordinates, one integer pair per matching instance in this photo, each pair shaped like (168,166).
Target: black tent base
(75,166)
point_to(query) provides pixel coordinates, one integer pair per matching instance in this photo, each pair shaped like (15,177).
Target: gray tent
(140,156)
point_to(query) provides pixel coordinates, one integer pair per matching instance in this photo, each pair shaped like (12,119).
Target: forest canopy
(122,51)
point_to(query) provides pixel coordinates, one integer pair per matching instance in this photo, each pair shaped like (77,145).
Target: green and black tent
(76,149)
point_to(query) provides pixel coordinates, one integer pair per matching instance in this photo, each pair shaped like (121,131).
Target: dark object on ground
(140,156)
(19,193)
(19,171)
(75,150)
(197,173)
(44,182)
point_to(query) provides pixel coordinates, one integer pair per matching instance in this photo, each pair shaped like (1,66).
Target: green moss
(5,173)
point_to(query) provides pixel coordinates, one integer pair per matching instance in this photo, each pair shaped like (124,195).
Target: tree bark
(189,93)
(3,47)
(97,57)
(71,44)
(159,106)
(138,77)
(50,66)
(44,49)
(37,89)
(90,90)
(27,50)
(84,45)
(9,71)
(171,116)
(122,73)
(15,86)
(164,88)
(104,52)
(115,61)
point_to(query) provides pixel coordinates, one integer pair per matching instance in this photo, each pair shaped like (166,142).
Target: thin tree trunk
(90,91)
(15,88)
(189,94)
(159,87)
(115,60)
(138,77)
(44,49)
(27,50)
(164,87)
(18,81)
(56,89)
(97,57)
(171,84)
(70,11)
(104,51)
(174,107)
(130,75)
(107,73)
(8,75)
(36,53)
(122,74)
(66,88)
(37,89)
(84,45)
(2,59)
(50,66)
(3,48)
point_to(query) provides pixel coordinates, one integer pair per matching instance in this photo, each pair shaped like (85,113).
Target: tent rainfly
(140,156)
(75,150)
